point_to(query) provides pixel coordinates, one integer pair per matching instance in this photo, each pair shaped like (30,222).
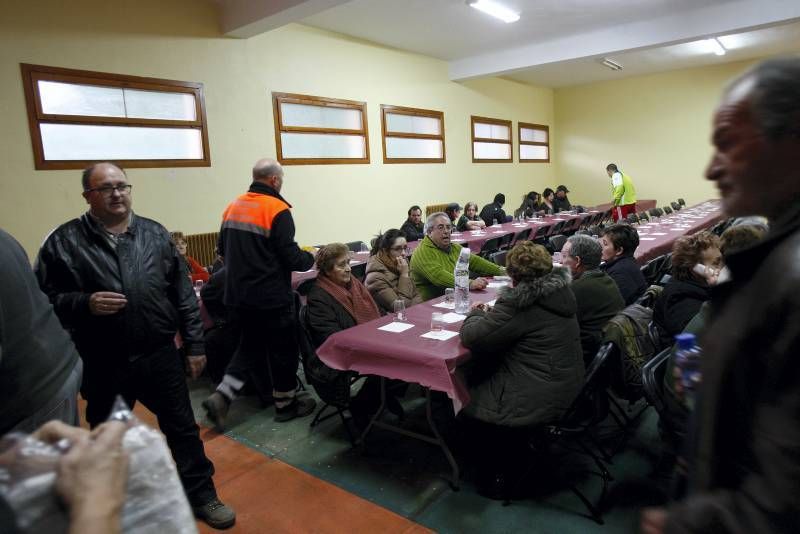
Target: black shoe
(216,406)
(493,486)
(215,514)
(299,407)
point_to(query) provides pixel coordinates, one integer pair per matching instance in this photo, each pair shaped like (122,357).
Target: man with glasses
(434,260)
(119,285)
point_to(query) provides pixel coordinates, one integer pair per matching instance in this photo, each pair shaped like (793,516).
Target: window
(491,140)
(78,117)
(534,143)
(311,130)
(412,135)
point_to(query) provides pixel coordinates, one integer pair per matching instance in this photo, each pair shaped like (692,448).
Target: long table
(641,205)
(657,237)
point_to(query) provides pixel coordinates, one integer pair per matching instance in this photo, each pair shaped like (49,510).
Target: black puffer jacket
(678,303)
(527,365)
(628,276)
(325,315)
(76,260)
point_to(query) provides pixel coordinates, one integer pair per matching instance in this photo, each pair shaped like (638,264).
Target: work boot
(215,514)
(216,406)
(299,407)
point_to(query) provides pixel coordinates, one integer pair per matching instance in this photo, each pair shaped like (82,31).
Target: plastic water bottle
(687,360)
(461,275)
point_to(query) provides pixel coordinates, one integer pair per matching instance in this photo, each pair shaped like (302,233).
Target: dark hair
(87,172)
(740,237)
(623,236)
(532,195)
(412,208)
(612,167)
(687,252)
(385,240)
(774,100)
(547,192)
(500,198)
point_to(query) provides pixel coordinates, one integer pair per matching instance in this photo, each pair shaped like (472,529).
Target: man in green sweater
(434,260)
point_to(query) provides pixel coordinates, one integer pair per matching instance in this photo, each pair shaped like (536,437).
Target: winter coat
(385,286)
(598,300)
(678,303)
(413,232)
(526,366)
(628,276)
(325,315)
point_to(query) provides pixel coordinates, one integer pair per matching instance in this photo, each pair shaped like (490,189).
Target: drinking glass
(364,247)
(399,309)
(557,257)
(198,285)
(437,322)
(449,296)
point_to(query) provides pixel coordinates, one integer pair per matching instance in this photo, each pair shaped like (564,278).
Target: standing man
(744,468)
(118,283)
(257,242)
(623,191)
(561,202)
(413,227)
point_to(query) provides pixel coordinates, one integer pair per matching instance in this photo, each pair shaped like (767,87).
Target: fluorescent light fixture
(611,64)
(715,46)
(494,9)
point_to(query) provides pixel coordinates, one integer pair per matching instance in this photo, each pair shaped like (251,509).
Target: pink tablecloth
(405,356)
(641,205)
(657,238)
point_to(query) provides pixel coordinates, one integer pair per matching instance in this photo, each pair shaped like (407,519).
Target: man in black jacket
(619,242)
(493,213)
(119,285)
(413,227)
(561,202)
(257,241)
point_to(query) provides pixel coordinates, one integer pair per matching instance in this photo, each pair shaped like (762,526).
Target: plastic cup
(449,295)
(399,309)
(437,322)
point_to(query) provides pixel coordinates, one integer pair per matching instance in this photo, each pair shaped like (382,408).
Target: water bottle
(461,275)
(687,361)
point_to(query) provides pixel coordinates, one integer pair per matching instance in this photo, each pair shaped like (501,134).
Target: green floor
(408,476)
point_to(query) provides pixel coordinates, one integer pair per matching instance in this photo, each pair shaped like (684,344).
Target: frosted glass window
(322,146)
(94,142)
(401,147)
(320,117)
(158,105)
(492,131)
(72,99)
(413,124)
(534,152)
(491,150)
(533,135)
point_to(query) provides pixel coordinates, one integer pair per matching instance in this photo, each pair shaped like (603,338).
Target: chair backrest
(434,208)
(653,381)
(653,212)
(655,268)
(355,246)
(506,240)
(490,246)
(359,271)
(305,286)
(681,202)
(643,216)
(332,386)
(557,242)
(667,210)
(556,228)
(521,236)
(499,257)
(541,232)
(675,206)
(632,218)
(594,380)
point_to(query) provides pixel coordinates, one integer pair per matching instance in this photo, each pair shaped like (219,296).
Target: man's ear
(85,195)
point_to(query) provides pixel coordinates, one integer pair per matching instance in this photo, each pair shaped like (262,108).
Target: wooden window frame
(293,98)
(32,74)
(414,112)
(531,126)
(488,120)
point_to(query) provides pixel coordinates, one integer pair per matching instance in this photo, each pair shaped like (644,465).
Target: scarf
(388,261)
(354,298)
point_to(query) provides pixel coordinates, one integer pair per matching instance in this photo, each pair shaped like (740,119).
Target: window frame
(32,74)
(501,122)
(293,98)
(531,126)
(413,112)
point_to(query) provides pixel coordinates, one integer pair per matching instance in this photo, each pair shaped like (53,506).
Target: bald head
(270,172)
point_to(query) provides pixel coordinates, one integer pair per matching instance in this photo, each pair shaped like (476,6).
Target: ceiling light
(716,46)
(611,64)
(494,9)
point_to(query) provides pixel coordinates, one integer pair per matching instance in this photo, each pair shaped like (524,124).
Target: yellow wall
(179,39)
(656,128)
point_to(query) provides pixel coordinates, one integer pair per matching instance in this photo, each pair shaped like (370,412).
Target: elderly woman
(338,301)
(388,276)
(696,263)
(527,364)
(196,271)
(619,242)
(470,219)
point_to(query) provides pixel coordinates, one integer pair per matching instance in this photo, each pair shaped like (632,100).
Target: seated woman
(688,288)
(527,364)
(336,302)
(470,219)
(530,204)
(387,272)
(548,196)
(619,242)
(196,271)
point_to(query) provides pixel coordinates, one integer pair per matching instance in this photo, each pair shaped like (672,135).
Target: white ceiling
(555,43)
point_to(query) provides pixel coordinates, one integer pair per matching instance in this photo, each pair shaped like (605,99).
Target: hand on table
(478,284)
(106,302)
(195,365)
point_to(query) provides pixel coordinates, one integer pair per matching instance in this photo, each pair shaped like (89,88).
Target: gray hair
(264,168)
(773,95)
(432,217)
(587,249)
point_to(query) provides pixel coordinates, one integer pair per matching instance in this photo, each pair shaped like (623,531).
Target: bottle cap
(685,341)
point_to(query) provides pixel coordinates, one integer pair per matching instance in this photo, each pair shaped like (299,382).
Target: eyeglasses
(108,190)
(399,248)
(447,227)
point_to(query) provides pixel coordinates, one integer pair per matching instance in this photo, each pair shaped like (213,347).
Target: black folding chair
(355,246)
(632,218)
(489,247)
(667,210)
(681,202)
(540,236)
(520,236)
(557,242)
(675,206)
